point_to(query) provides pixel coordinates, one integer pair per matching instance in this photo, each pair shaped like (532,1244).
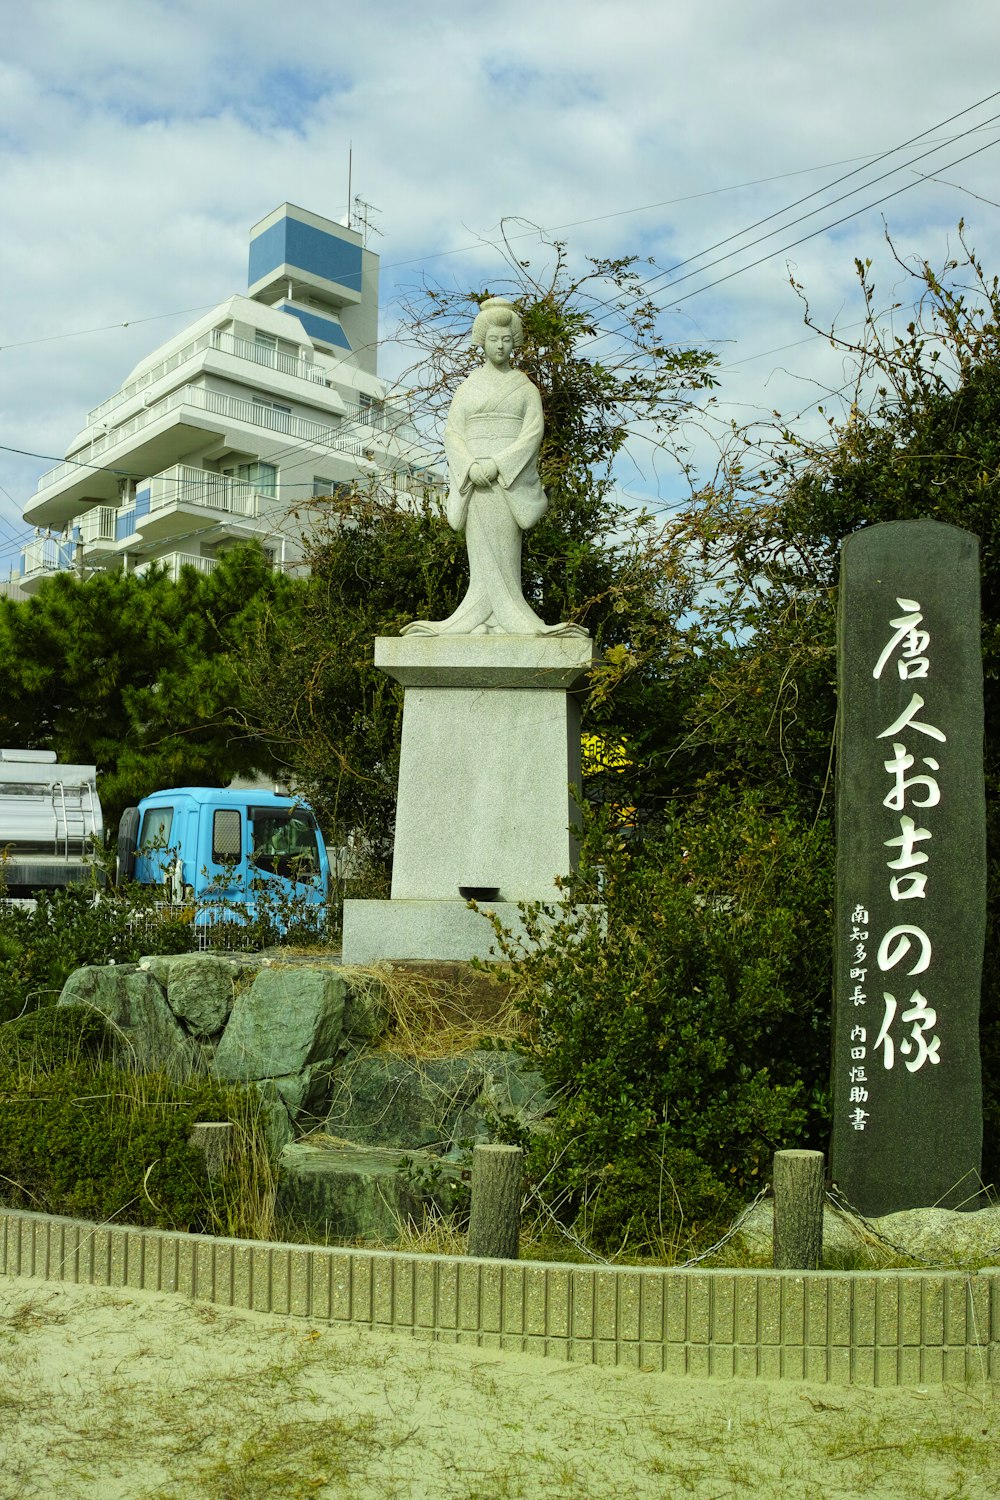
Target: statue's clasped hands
(483,473)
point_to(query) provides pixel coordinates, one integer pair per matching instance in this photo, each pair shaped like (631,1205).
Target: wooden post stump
(215,1140)
(798,1210)
(497,1184)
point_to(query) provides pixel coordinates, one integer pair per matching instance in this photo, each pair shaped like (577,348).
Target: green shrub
(682,1022)
(84,1137)
(69,929)
(55,1037)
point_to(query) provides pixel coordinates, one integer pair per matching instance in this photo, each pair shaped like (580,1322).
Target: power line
(79,333)
(648,285)
(845,177)
(622,304)
(831,204)
(872,158)
(887,198)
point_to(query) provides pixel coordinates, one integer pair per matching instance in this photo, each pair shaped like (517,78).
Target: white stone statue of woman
(491,439)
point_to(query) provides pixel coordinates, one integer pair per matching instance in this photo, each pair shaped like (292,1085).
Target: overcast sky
(142,138)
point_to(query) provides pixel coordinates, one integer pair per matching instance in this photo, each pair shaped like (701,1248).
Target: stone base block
(353,1193)
(376,930)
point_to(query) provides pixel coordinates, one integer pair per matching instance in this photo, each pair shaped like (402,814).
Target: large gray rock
(944,1235)
(103,988)
(352,1193)
(941,1236)
(159,1040)
(200,988)
(392,1101)
(366,1008)
(380,1100)
(274,1117)
(513,1087)
(287,1019)
(305,1095)
(137,1005)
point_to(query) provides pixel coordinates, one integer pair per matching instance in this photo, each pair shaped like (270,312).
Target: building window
(330,487)
(371,411)
(279,354)
(263,477)
(273,414)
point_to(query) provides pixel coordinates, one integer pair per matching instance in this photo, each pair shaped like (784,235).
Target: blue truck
(230,854)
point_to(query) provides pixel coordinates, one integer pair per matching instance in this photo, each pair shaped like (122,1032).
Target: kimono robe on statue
(494,415)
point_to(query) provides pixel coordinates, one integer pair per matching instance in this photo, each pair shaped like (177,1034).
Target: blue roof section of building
(291,242)
(326,330)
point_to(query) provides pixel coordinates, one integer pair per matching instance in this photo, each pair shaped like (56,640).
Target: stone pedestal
(490,749)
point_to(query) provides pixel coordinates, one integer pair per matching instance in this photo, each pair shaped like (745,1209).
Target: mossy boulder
(288,1019)
(105,988)
(136,1005)
(200,988)
(350,1193)
(380,1100)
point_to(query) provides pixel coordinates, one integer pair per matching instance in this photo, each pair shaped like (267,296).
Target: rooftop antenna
(362,212)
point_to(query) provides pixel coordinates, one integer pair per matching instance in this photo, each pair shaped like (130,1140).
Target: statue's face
(499,346)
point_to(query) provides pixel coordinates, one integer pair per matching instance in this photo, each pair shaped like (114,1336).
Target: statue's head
(496,312)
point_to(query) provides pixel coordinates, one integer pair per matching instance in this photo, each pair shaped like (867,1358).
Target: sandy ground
(142,1396)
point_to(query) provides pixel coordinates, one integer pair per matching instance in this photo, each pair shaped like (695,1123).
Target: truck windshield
(284,842)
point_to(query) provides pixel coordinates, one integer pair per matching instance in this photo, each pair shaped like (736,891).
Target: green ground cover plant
(82,1133)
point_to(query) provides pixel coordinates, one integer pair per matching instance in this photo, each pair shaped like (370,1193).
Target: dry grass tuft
(448,1234)
(439,1234)
(440,1009)
(245,1199)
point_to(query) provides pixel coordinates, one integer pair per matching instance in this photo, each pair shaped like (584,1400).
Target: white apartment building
(263,404)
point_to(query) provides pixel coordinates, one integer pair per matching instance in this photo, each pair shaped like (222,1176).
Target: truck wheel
(128,833)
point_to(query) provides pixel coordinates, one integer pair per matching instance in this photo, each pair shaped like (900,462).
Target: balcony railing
(321,434)
(227,343)
(185,485)
(98,525)
(174,561)
(46,554)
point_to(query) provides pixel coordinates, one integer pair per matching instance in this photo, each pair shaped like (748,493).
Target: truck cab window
(227,835)
(285,843)
(155,830)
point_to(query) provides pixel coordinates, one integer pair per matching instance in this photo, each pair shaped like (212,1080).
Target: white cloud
(141,142)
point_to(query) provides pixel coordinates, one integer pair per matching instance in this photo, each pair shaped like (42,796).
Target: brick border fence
(863,1328)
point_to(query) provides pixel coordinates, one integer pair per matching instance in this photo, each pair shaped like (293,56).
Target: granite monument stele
(490,748)
(911,870)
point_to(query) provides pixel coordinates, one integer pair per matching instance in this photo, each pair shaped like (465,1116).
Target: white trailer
(50,821)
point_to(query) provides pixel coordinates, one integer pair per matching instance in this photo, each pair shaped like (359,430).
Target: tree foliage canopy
(919,437)
(138,675)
